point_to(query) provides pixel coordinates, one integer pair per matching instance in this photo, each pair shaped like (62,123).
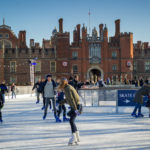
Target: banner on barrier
(125,97)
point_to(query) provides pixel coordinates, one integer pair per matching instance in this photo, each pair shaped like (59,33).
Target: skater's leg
(149,111)
(38,97)
(64,113)
(3,95)
(50,104)
(43,99)
(54,106)
(1,116)
(46,106)
(59,110)
(135,109)
(14,94)
(64,110)
(139,111)
(72,122)
(73,139)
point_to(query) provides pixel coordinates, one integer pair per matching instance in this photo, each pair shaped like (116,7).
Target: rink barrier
(116,96)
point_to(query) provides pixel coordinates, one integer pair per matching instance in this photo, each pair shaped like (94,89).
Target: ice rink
(100,128)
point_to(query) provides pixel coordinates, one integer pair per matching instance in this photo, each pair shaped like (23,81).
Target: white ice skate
(73,140)
(77,136)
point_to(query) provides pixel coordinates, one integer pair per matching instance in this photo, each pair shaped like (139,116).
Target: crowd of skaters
(57,93)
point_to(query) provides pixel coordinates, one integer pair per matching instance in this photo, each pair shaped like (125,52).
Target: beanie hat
(49,75)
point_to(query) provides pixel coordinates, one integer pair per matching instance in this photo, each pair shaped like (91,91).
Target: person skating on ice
(13,88)
(37,86)
(148,104)
(3,89)
(72,99)
(138,99)
(60,97)
(49,90)
(1,105)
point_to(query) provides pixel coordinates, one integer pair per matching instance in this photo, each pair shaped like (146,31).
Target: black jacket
(143,91)
(38,86)
(3,88)
(1,100)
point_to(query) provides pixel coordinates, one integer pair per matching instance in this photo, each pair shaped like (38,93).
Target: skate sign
(126,97)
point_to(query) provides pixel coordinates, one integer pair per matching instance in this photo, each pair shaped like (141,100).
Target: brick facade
(88,56)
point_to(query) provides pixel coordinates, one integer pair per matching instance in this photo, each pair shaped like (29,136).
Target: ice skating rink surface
(100,128)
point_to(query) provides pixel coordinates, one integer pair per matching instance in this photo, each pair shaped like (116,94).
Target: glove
(77,112)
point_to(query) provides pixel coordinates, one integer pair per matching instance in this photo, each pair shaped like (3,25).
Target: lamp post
(32,69)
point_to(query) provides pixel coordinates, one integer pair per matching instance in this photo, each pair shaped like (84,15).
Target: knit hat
(64,79)
(49,75)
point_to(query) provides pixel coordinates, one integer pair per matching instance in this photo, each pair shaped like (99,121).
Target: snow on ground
(100,128)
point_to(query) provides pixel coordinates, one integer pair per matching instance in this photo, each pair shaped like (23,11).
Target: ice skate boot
(57,119)
(140,116)
(134,115)
(73,140)
(43,108)
(1,120)
(37,101)
(44,117)
(77,136)
(65,119)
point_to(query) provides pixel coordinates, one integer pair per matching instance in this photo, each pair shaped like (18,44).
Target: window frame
(114,56)
(74,54)
(74,72)
(114,67)
(11,70)
(51,66)
(36,67)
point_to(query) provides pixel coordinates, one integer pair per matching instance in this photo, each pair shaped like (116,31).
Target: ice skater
(38,88)
(1,105)
(71,98)
(49,91)
(3,90)
(13,90)
(138,99)
(148,105)
(60,97)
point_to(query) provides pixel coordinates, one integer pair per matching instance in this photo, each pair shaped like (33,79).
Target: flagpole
(89,22)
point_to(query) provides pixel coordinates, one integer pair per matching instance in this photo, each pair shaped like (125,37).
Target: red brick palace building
(88,56)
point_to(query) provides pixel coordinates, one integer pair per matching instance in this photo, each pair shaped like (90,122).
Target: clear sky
(40,17)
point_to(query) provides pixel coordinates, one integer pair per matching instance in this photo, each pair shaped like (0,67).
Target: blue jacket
(3,88)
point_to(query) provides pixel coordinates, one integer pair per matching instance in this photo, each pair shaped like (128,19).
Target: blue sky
(40,17)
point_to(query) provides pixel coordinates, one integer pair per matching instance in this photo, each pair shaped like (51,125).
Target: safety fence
(116,97)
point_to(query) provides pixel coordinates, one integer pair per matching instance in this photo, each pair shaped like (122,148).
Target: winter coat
(143,91)
(148,103)
(60,96)
(54,86)
(36,86)
(3,88)
(72,97)
(1,100)
(13,88)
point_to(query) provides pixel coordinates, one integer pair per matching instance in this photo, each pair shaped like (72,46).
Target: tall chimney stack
(78,33)
(61,25)
(117,26)
(101,31)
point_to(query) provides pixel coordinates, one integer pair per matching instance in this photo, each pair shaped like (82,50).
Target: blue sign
(126,97)
(33,63)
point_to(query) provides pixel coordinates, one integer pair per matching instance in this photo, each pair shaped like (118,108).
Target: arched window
(7,44)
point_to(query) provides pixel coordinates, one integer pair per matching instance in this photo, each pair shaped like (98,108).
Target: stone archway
(94,72)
